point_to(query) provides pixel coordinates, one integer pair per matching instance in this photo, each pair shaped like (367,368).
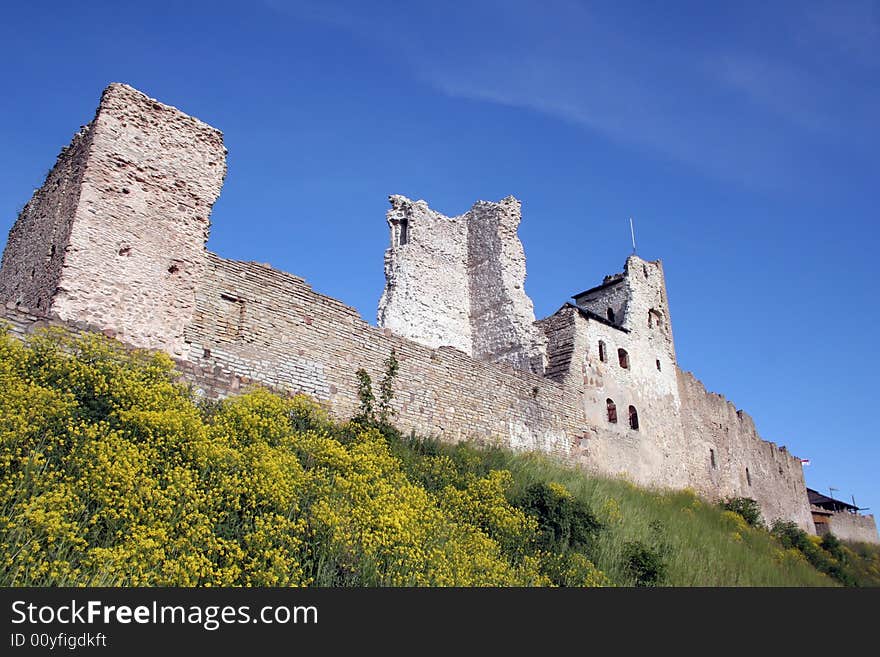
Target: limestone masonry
(115,241)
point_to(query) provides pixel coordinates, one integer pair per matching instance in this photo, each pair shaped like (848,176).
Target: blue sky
(742,139)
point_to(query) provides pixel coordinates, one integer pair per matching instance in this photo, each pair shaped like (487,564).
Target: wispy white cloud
(724,106)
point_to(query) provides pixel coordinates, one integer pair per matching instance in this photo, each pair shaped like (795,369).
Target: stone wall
(726,457)
(427,293)
(256,323)
(852,527)
(502,315)
(682,428)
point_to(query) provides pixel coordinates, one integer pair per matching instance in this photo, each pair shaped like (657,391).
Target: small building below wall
(844,520)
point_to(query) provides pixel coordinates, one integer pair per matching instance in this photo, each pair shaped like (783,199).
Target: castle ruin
(115,241)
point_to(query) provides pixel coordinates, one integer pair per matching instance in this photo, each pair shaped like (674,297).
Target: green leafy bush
(565,523)
(644,564)
(792,536)
(745,507)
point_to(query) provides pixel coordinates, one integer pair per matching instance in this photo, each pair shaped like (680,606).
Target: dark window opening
(52,251)
(623,357)
(748,477)
(174,268)
(404,233)
(125,251)
(206,353)
(611,407)
(712,459)
(658,365)
(602,355)
(33,272)
(650,319)
(633,418)
(610,314)
(645,270)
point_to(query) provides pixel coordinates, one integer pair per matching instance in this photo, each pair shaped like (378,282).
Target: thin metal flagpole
(632,233)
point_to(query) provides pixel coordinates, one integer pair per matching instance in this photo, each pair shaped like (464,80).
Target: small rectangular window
(404,232)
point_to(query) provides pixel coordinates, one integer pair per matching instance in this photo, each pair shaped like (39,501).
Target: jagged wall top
(116,236)
(459,281)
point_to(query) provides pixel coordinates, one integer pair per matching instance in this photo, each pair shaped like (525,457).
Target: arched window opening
(655,319)
(610,314)
(623,357)
(612,410)
(748,477)
(633,418)
(602,355)
(712,459)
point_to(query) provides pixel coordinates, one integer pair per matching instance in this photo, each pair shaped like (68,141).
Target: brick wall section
(259,323)
(560,331)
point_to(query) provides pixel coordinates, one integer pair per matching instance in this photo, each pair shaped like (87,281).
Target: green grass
(700,545)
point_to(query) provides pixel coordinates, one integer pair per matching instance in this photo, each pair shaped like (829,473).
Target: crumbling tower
(116,235)
(459,281)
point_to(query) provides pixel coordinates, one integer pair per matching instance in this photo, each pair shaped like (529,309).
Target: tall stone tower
(116,235)
(459,281)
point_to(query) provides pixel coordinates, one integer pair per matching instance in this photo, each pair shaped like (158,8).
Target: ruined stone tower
(116,235)
(459,281)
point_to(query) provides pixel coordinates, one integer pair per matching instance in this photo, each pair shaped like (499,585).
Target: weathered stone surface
(115,242)
(459,282)
(850,527)
(116,235)
(426,296)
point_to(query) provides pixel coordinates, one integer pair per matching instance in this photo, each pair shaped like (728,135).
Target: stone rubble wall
(427,294)
(852,527)
(459,282)
(35,251)
(775,477)
(614,295)
(502,315)
(258,323)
